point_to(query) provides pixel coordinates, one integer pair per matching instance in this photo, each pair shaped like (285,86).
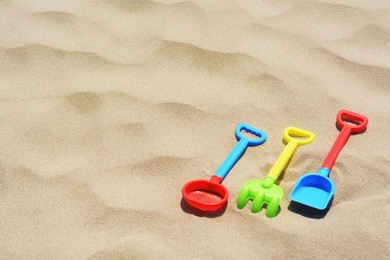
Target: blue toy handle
(240,148)
(251,142)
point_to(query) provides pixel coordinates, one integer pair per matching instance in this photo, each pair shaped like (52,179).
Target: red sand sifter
(211,195)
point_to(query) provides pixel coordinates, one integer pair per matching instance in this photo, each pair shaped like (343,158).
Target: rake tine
(272,207)
(243,197)
(257,203)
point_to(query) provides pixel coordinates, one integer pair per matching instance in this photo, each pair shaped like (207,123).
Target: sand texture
(107,108)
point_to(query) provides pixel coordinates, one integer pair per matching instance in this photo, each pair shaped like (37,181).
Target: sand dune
(109,107)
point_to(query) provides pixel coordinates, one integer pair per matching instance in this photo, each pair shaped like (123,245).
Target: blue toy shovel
(316,189)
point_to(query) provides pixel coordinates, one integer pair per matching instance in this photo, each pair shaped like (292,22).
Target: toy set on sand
(314,190)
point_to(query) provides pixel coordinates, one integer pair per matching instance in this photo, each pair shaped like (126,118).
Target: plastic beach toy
(211,195)
(316,190)
(266,191)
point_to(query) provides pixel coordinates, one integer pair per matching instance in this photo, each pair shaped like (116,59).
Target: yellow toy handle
(292,144)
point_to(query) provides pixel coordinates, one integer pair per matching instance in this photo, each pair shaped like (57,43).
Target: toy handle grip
(292,143)
(345,115)
(251,142)
(291,132)
(346,130)
(238,150)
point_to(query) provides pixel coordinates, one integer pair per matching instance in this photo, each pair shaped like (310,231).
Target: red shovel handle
(345,115)
(346,130)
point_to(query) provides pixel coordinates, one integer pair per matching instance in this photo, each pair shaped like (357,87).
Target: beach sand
(109,107)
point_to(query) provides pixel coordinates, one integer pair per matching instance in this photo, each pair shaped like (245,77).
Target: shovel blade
(313,190)
(262,194)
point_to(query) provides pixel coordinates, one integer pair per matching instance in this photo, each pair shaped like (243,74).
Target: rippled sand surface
(108,107)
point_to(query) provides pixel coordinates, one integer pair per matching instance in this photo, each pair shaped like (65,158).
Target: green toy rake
(266,192)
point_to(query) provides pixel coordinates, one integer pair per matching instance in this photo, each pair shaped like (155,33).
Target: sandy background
(109,107)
